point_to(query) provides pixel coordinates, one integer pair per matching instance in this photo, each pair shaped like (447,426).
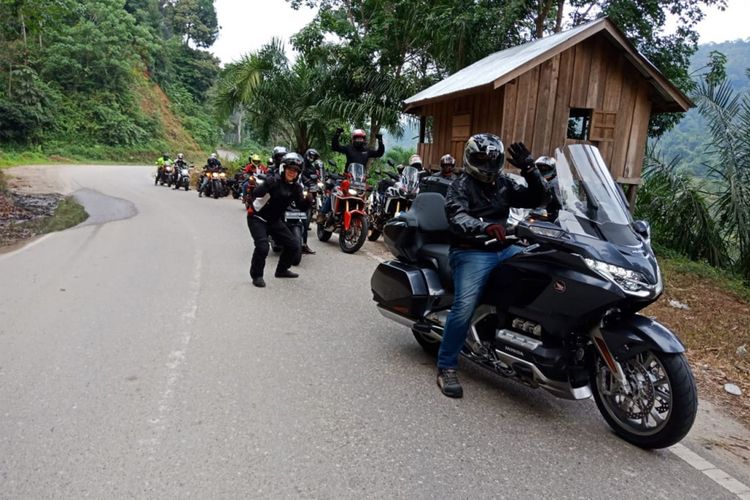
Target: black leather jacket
(471,206)
(308,170)
(354,155)
(273,196)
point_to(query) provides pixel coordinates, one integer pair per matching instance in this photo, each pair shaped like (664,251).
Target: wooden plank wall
(534,108)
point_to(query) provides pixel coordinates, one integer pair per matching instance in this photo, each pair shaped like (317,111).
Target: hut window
(426,124)
(579,124)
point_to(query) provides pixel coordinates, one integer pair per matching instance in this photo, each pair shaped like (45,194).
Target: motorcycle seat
(437,255)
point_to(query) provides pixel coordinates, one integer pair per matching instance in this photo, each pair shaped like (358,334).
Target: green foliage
(707,219)
(689,138)
(678,212)
(72,73)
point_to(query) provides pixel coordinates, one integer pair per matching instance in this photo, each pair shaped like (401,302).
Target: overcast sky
(248,24)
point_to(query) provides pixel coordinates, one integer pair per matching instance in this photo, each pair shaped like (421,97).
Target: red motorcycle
(347,216)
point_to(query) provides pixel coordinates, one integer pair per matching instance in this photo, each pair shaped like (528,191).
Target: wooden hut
(585,84)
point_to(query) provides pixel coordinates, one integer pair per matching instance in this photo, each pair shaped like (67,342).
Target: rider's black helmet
(278,153)
(483,157)
(547,167)
(293,161)
(311,155)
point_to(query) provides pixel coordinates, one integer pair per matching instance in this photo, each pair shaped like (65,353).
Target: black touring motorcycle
(569,322)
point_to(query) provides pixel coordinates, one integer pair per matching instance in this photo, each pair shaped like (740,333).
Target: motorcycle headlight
(547,232)
(304,193)
(629,281)
(320,185)
(353,192)
(223,175)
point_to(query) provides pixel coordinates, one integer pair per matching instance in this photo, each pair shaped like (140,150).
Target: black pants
(281,235)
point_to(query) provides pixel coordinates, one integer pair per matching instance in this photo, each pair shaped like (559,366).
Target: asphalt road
(137,360)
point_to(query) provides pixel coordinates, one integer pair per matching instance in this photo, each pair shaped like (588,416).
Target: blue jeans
(326,206)
(471,269)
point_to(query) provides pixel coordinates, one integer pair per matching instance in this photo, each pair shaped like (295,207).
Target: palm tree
(728,162)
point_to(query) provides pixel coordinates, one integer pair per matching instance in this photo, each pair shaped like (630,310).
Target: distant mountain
(687,139)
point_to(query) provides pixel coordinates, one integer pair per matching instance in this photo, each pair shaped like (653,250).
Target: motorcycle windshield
(592,204)
(357,171)
(410,179)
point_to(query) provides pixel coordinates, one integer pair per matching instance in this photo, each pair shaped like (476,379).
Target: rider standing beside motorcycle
(265,217)
(477,205)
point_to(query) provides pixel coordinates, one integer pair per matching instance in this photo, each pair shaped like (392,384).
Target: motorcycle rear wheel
(429,345)
(663,402)
(323,235)
(374,234)
(352,239)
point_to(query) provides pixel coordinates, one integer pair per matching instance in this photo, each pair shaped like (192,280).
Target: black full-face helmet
(484,155)
(311,156)
(447,164)
(291,161)
(278,153)
(547,167)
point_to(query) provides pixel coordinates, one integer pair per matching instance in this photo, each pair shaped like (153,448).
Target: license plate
(295,216)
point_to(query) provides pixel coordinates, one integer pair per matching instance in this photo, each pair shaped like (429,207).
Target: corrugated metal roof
(494,66)
(497,69)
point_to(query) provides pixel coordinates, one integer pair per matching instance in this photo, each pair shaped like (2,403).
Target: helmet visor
(485,159)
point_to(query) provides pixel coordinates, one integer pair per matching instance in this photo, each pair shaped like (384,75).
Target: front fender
(631,335)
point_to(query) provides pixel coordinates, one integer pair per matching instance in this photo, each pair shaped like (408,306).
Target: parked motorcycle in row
(347,216)
(561,315)
(383,205)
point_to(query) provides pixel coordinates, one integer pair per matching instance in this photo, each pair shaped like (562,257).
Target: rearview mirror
(390,162)
(332,163)
(643,228)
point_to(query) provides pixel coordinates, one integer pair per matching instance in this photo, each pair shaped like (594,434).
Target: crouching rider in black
(264,218)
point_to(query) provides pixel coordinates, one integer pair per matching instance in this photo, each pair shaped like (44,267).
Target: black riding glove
(520,157)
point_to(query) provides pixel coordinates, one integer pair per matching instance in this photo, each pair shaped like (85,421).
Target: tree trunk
(239,128)
(558,22)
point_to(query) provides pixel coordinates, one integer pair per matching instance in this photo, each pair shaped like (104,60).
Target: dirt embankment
(32,204)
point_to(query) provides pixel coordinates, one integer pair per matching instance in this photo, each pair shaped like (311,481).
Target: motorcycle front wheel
(352,239)
(659,407)
(323,235)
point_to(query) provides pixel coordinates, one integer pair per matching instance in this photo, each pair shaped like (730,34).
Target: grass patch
(69,213)
(721,278)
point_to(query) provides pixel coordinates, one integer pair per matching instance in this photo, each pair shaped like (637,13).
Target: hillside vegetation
(106,79)
(689,138)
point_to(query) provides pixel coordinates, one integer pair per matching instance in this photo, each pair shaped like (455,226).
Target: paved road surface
(136,360)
